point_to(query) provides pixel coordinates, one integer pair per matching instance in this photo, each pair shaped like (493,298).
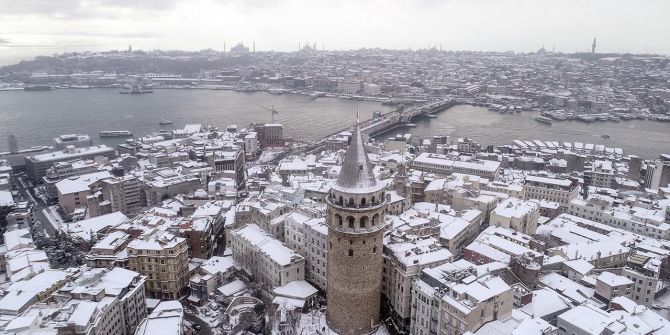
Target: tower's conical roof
(356,172)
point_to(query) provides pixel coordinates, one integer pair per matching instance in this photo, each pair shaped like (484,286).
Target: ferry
(38,88)
(543,119)
(164,122)
(115,133)
(137,89)
(316,95)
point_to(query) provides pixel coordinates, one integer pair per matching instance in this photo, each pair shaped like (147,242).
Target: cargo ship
(115,133)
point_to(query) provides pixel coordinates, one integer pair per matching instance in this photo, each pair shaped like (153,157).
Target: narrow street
(27,194)
(204,327)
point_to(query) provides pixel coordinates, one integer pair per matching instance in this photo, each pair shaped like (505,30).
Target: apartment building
(498,244)
(557,190)
(610,285)
(124,194)
(163,258)
(644,221)
(307,237)
(602,174)
(457,232)
(167,315)
(87,301)
(74,191)
(442,164)
(266,259)
(38,165)
(64,170)
(517,214)
(456,298)
(211,275)
(403,260)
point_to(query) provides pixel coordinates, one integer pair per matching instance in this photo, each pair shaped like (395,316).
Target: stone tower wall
(354,268)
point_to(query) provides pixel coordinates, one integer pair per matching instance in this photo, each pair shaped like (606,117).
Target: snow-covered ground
(210,313)
(315,322)
(55,220)
(268,155)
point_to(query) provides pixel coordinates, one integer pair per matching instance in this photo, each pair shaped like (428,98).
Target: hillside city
(585,86)
(245,230)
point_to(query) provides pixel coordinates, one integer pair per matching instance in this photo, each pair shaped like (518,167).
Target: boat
(605,136)
(316,95)
(543,119)
(164,122)
(115,133)
(432,116)
(277,91)
(137,89)
(11,88)
(585,118)
(38,88)
(410,124)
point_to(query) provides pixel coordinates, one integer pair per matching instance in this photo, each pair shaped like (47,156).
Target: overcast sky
(33,27)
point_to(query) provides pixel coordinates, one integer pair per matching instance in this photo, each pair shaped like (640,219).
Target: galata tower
(356,225)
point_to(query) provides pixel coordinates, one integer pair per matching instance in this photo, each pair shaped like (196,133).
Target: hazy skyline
(43,27)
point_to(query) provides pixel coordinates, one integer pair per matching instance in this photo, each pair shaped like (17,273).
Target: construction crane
(271,110)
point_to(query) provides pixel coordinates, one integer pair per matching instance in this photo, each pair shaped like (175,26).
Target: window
(364,221)
(351,221)
(351,253)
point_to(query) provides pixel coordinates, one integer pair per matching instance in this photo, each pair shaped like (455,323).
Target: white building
(168,315)
(442,164)
(268,260)
(402,264)
(557,190)
(516,214)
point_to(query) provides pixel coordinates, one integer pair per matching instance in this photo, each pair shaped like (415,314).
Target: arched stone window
(362,202)
(373,199)
(375,218)
(351,202)
(341,200)
(364,222)
(338,219)
(351,221)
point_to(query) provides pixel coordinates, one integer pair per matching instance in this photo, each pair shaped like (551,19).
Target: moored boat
(543,119)
(115,133)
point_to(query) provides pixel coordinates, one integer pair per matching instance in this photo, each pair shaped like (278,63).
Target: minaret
(356,226)
(593,46)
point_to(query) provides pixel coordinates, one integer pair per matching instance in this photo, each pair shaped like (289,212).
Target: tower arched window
(351,221)
(338,219)
(375,218)
(373,199)
(341,200)
(364,222)
(351,202)
(362,202)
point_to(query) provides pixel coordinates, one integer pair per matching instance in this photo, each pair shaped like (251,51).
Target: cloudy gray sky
(32,27)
